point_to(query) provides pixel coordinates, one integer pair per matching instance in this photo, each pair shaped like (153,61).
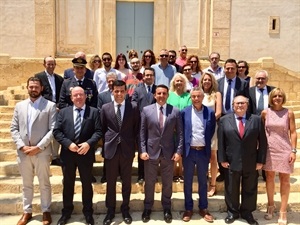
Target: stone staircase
(11,183)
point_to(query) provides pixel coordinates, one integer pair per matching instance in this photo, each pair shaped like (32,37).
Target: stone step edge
(12,203)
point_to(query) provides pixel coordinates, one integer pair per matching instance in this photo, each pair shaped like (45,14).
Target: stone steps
(12,203)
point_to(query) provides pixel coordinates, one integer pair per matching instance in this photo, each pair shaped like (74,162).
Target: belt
(198,148)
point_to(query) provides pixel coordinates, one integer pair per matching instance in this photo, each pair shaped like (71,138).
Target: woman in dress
(122,65)
(179,98)
(281,153)
(95,62)
(196,67)
(243,71)
(192,81)
(213,100)
(148,59)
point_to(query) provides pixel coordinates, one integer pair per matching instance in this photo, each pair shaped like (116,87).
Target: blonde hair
(172,83)
(212,92)
(274,92)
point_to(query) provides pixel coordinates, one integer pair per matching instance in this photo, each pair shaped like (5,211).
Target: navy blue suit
(200,158)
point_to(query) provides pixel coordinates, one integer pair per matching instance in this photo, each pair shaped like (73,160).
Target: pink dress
(279,144)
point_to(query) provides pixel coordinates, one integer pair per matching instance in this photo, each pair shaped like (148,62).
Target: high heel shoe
(282,221)
(270,212)
(212,191)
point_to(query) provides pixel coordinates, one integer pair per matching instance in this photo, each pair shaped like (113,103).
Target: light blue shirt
(198,128)
(163,75)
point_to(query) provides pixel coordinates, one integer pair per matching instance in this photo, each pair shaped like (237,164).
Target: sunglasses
(106,59)
(171,56)
(184,50)
(164,56)
(96,61)
(193,61)
(243,67)
(148,56)
(186,70)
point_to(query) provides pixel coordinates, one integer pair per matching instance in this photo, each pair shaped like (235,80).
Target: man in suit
(161,140)
(88,85)
(51,89)
(78,129)
(242,147)
(229,87)
(259,97)
(103,98)
(143,96)
(31,130)
(120,124)
(70,73)
(199,124)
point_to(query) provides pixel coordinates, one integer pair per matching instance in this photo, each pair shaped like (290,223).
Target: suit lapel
(41,106)
(85,116)
(233,124)
(247,123)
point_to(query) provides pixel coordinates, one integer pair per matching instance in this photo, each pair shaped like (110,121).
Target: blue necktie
(77,125)
(228,95)
(260,105)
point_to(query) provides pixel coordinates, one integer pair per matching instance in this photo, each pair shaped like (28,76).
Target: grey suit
(141,96)
(252,99)
(160,147)
(41,136)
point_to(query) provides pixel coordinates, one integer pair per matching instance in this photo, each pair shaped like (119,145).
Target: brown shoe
(47,220)
(25,218)
(206,215)
(187,215)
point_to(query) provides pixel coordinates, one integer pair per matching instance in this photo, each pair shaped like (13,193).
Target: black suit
(252,99)
(119,157)
(242,154)
(89,87)
(64,133)
(69,73)
(47,91)
(103,98)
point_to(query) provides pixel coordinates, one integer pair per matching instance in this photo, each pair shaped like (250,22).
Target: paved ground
(156,217)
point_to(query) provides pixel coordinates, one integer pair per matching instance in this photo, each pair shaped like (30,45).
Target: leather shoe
(230,219)
(146,215)
(103,179)
(63,220)
(220,178)
(25,218)
(127,218)
(250,219)
(47,220)
(90,220)
(167,216)
(94,179)
(206,215)
(187,215)
(108,219)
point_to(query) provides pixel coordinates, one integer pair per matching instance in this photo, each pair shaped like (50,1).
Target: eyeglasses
(242,67)
(184,50)
(106,59)
(193,61)
(164,56)
(96,61)
(171,56)
(240,103)
(186,70)
(148,56)
(260,78)
(149,75)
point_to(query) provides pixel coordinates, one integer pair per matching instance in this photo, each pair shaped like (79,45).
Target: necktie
(161,119)
(241,126)
(77,125)
(119,118)
(260,105)
(228,95)
(149,89)
(80,83)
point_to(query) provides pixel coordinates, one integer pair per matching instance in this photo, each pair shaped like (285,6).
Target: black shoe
(146,215)
(250,219)
(140,180)
(230,219)
(94,179)
(127,218)
(56,162)
(167,215)
(89,220)
(220,178)
(108,219)
(263,174)
(63,220)
(103,179)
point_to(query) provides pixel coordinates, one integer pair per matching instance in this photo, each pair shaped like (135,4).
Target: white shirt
(75,113)
(151,86)
(232,86)
(122,108)
(32,110)
(51,80)
(100,78)
(265,96)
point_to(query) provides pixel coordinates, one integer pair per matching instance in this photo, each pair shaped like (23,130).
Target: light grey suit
(160,146)
(41,136)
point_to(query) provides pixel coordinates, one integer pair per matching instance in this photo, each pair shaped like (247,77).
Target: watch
(294,150)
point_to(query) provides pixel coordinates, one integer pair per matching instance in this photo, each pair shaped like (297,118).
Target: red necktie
(241,126)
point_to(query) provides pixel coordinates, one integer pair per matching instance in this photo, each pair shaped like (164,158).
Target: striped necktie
(77,125)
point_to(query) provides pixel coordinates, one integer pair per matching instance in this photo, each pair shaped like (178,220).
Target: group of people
(177,115)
